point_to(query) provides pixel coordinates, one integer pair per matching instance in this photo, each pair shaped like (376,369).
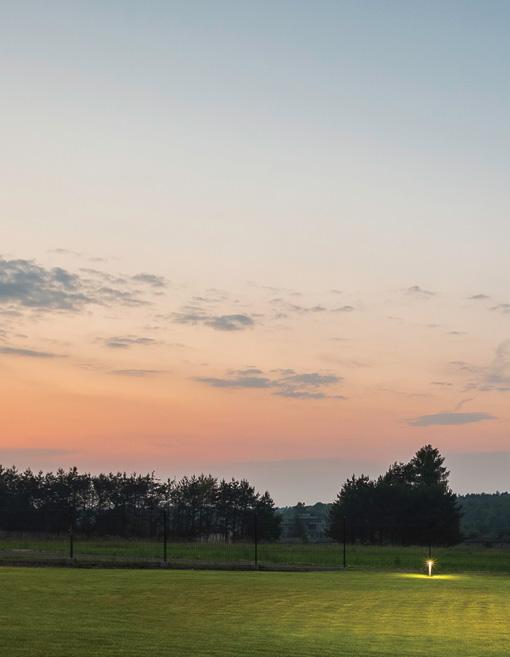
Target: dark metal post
(71,541)
(71,532)
(430,550)
(345,541)
(165,534)
(256,539)
(72,521)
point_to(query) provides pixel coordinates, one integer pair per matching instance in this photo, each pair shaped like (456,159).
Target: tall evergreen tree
(426,467)
(411,503)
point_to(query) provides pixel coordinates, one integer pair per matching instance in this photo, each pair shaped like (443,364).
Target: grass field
(131,613)
(457,559)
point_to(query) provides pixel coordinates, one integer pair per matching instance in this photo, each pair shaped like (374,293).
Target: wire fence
(177,535)
(184,538)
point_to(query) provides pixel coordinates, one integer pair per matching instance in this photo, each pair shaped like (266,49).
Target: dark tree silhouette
(132,505)
(411,503)
(426,467)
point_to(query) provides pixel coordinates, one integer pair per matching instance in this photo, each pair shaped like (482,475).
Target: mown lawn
(105,613)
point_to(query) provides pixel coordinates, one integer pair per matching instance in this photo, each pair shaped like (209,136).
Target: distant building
(305,523)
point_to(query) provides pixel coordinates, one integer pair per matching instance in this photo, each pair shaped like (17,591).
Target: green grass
(457,559)
(106,613)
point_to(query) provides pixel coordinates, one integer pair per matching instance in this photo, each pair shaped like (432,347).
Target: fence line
(182,536)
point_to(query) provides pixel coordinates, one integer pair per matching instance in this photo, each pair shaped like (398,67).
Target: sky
(255,239)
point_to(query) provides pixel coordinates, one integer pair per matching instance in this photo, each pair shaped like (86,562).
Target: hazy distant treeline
(134,505)
(486,517)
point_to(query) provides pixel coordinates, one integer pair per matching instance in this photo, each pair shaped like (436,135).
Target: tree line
(411,504)
(486,517)
(135,505)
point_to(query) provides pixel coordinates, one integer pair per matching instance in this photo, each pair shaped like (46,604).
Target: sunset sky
(265,239)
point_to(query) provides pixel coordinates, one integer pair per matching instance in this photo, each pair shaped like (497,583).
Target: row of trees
(486,517)
(411,503)
(197,507)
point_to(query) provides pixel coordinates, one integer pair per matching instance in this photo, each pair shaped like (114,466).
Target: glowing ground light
(430,563)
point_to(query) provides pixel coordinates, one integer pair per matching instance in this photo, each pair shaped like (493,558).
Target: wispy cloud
(26,284)
(343,362)
(233,322)
(449,418)
(311,379)
(283,383)
(247,371)
(497,375)
(150,279)
(127,341)
(304,394)
(135,373)
(289,307)
(285,306)
(502,308)
(66,252)
(344,309)
(236,381)
(28,353)
(77,254)
(493,377)
(210,297)
(419,292)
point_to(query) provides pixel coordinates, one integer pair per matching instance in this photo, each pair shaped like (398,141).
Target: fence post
(71,536)
(345,541)
(165,534)
(256,539)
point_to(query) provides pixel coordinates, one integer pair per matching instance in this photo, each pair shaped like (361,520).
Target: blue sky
(335,173)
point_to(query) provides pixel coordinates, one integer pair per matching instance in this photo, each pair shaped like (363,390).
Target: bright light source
(430,563)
